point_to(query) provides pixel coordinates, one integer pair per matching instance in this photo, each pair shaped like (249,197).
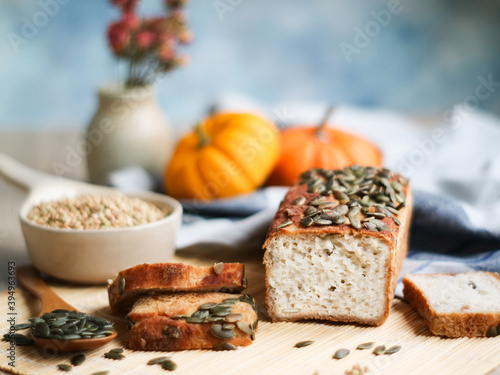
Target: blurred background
(416,57)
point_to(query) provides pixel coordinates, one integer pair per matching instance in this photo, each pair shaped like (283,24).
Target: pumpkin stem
(202,135)
(320,130)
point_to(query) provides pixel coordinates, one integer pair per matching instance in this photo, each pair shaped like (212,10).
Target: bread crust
(455,324)
(153,324)
(158,278)
(397,239)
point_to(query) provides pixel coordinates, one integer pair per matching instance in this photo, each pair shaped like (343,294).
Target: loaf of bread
(159,278)
(180,321)
(456,305)
(335,247)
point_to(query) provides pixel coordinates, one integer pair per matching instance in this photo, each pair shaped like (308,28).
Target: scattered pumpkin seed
(207,306)
(169,365)
(307,221)
(78,359)
(64,367)
(180,316)
(111,355)
(379,350)
(157,361)
(301,344)
(224,346)
(194,320)
(341,353)
(366,345)
(483,292)
(393,349)
(100,373)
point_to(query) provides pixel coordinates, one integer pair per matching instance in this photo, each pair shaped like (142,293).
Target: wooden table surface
(40,150)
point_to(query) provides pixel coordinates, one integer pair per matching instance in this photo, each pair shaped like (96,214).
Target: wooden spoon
(30,279)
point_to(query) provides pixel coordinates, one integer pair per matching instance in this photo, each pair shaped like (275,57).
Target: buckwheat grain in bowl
(96,212)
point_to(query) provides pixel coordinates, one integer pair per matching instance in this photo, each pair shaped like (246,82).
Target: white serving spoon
(89,256)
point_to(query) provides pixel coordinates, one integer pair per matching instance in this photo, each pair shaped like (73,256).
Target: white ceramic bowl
(90,256)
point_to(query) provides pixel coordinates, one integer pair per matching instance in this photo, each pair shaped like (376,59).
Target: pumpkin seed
(284,224)
(317,202)
(219,268)
(212,319)
(307,221)
(354,222)
(21,326)
(245,328)
(327,206)
(64,367)
(224,346)
(392,210)
(202,314)
(78,359)
(232,318)
(339,220)
(157,361)
(299,201)
(222,313)
(230,300)
(244,282)
(207,306)
(228,326)
(121,286)
(492,332)
(483,292)
(341,353)
(172,332)
(302,344)
(19,339)
(310,210)
(370,226)
(194,320)
(169,365)
(74,336)
(100,373)
(224,334)
(381,225)
(323,222)
(393,349)
(379,350)
(111,355)
(366,345)
(180,316)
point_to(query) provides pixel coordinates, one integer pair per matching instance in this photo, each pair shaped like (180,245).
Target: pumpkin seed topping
(113,355)
(284,224)
(341,353)
(366,345)
(377,189)
(218,268)
(245,328)
(302,344)
(299,201)
(224,334)
(379,350)
(121,285)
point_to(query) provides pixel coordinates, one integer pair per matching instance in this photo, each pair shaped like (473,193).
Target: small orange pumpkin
(227,154)
(304,148)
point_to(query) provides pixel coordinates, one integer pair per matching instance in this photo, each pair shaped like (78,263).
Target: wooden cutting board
(273,351)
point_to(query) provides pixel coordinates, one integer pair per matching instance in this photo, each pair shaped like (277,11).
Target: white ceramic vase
(129,129)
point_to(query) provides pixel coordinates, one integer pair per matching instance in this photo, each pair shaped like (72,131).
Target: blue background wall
(428,57)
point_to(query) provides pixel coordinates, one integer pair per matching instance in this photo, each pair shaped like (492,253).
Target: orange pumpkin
(304,148)
(227,154)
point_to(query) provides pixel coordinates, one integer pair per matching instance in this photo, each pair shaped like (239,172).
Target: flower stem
(320,130)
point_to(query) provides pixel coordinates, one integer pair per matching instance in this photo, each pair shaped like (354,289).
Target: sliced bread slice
(456,305)
(157,278)
(181,321)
